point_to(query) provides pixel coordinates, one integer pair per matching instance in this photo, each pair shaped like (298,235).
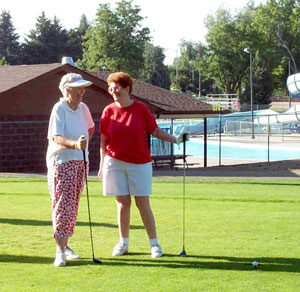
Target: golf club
(98,261)
(183,253)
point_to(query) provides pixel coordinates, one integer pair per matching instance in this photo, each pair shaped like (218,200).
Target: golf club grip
(84,158)
(184,144)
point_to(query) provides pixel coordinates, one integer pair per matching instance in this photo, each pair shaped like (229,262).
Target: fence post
(220,136)
(268,138)
(205,142)
(172,145)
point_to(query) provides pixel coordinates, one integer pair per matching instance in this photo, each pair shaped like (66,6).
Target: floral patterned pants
(65,183)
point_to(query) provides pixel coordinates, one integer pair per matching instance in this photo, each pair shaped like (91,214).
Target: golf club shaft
(88,202)
(183,201)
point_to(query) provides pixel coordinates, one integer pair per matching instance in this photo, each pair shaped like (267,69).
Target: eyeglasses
(115,88)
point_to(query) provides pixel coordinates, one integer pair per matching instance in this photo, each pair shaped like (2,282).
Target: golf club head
(182,253)
(97,261)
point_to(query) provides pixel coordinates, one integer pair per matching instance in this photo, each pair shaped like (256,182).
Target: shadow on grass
(290,265)
(22,259)
(30,222)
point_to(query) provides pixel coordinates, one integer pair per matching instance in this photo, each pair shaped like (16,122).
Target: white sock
(153,241)
(124,240)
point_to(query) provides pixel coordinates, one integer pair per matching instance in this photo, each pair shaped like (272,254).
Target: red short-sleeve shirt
(126,130)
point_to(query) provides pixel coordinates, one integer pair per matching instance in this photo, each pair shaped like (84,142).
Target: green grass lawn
(229,224)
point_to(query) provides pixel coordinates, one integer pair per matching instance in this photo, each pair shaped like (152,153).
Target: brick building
(28,93)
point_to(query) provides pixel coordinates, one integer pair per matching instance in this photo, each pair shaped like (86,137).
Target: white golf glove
(179,138)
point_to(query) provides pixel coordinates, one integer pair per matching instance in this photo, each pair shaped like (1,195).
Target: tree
(279,23)
(9,44)
(187,67)
(47,43)
(3,62)
(262,86)
(155,71)
(117,40)
(227,37)
(76,39)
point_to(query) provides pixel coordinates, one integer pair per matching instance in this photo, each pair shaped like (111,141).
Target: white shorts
(121,178)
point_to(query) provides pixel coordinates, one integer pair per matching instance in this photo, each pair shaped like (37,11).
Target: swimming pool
(238,151)
(231,150)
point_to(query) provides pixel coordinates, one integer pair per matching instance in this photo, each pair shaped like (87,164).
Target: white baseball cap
(73,80)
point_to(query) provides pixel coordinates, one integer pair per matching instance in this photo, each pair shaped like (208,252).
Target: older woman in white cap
(70,128)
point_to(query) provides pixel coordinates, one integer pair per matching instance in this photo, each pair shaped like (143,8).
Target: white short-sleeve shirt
(71,124)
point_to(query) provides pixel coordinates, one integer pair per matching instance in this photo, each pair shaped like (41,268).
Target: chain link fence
(235,139)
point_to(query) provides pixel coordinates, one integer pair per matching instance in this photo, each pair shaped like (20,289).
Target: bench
(165,160)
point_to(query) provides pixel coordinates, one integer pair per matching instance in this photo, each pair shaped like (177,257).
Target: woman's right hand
(81,143)
(100,173)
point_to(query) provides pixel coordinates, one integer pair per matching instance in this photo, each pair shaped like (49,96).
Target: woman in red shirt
(126,164)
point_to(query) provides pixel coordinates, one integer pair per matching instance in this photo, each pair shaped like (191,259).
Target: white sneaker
(60,260)
(70,254)
(156,251)
(120,249)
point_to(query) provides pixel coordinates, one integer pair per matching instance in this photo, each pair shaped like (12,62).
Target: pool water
(194,147)
(238,151)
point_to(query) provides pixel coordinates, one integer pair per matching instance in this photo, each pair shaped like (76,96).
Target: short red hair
(122,78)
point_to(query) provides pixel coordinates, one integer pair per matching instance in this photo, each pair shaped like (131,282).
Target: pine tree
(47,43)
(9,44)
(76,39)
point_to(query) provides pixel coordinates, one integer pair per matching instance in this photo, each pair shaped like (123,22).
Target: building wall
(24,116)
(37,97)
(23,146)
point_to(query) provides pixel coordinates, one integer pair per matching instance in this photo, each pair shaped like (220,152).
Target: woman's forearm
(162,135)
(65,142)
(91,132)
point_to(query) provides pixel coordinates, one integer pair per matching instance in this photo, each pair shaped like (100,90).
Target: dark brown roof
(12,76)
(165,102)
(161,101)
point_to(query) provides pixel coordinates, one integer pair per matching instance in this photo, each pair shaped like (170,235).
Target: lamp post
(251,92)
(199,83)
(290,101)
